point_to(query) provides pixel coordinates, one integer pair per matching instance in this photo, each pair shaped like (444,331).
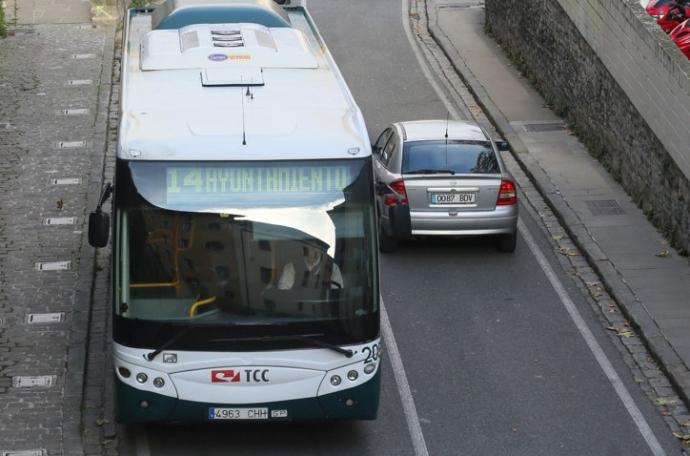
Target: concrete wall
(620,83)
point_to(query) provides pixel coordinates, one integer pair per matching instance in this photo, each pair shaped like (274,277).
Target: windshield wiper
(177,336)
(431,171)
(309,338)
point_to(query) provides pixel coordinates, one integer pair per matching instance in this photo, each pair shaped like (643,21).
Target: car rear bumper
(503,220)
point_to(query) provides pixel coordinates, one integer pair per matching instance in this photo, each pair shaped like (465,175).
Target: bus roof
(233,91)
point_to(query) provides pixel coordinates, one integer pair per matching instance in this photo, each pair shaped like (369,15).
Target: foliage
(3,25)
(138,3)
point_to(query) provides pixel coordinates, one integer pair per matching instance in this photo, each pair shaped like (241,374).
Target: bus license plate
(217,413)
(453,198)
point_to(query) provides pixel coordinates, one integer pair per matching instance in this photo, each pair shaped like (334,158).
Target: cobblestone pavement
(54,91)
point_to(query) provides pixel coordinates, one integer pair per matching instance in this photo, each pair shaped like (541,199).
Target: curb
(634,310)
(77,355)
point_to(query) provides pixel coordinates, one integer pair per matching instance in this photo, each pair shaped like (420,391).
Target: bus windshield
(283,247)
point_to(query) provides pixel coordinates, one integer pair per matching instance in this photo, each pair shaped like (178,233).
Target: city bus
(245,276)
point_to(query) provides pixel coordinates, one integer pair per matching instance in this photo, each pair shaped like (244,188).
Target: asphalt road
(494,362)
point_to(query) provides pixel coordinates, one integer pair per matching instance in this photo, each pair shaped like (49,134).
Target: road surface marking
(422,62)
(406,398)
(593,345)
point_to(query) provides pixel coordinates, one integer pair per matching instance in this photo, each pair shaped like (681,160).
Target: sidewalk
(55,69)
(648,279)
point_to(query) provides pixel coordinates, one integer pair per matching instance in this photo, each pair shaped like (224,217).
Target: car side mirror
(503,145)
(99,221)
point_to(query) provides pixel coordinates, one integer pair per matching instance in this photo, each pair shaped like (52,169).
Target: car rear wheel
(387,244)
(507,242)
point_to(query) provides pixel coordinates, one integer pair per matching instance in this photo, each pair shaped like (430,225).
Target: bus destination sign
(216,181)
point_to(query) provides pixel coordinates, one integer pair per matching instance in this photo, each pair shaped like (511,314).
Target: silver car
(442,178)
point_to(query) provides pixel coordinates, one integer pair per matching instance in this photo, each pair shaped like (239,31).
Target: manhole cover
(604,207)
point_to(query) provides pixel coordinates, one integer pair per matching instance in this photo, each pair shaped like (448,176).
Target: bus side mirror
(99,221)
(99,228)
(503,145)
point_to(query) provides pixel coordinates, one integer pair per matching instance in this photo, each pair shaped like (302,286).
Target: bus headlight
(158,382)
(335,380)
(369,368)
(142,377)
(124,371)
(352,375)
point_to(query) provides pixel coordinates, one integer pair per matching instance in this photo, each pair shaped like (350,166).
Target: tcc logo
(233,376)
(225,376)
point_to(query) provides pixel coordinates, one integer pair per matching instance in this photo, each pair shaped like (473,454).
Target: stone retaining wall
(623,87)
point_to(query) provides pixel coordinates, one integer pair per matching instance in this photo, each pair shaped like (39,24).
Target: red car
(681,36)
(668,13)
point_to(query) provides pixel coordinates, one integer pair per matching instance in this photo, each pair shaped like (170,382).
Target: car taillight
(399,195)
(507,195)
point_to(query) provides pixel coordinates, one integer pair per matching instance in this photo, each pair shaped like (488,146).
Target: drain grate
(44,318)
(541,127)
(79,82)
(53,266)
(83,56)
(24,453)
(70,144)
(65,181)
(73,112)
(604,207)
(51,221)
(39,381)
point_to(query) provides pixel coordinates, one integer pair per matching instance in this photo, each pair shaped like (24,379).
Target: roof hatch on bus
(175,14)
(224,46)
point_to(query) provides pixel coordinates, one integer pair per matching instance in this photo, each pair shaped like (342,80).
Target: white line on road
(409,409)
(422,62)
(593,345)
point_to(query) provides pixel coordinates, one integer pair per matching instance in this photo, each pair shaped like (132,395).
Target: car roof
(435,129)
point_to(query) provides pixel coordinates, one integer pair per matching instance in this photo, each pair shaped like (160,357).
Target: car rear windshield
(459,157)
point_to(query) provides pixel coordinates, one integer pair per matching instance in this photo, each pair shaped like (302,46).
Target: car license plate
(219,413)
(453,198)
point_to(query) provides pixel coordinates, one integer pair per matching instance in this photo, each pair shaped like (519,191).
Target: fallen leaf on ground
(568,252)
(683,437)
(558,237)
(663,254)
(665,401)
